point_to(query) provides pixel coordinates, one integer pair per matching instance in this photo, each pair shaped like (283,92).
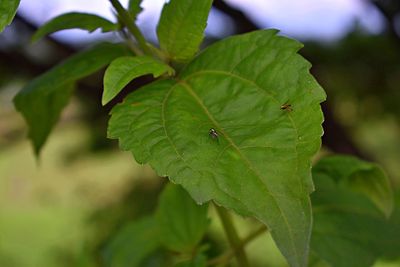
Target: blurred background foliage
(63,209)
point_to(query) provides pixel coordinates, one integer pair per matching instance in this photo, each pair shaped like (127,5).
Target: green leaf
(8,8)
(133,244)
(182,222)
(199,261)
(364,177)
(134,8)
(123,70)
(42,100)
(349,230)
(181,26)
(260,165)
(84,21)
(42,109)
(392,232)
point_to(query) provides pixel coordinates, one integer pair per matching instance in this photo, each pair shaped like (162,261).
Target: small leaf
(8,8)
(134,7)
(364,177)
(42,100)
(349,230)
(42,110)
(182,222)
(132,244)
(259,162)
(181,27)
(199,261)
(123,70)
(73,20)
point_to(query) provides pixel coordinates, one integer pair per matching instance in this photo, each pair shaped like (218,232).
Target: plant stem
(233,236)
(128,21)
(225,257)
(129,40)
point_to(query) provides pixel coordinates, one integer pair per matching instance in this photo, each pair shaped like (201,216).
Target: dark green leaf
(74,20)
(123,70)
(199,261)
(134,8)
(8,8)
(259,165)
(42,100)
(181,27)
(364,177)
(182,222)
(392,233)
(349,229)
(132,244)
(42,110)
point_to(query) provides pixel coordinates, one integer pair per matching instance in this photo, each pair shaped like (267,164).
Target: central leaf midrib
(199,101)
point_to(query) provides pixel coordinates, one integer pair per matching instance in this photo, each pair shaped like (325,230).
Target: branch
(242,23)
(389,12)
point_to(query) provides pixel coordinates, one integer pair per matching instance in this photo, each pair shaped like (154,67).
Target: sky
(324,20)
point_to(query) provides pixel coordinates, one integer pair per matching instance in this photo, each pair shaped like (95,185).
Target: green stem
(128,21)
(233,236)
(131,44)
(225,257)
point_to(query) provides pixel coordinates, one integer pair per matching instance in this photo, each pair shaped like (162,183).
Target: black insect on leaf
(213,133)
(287,107)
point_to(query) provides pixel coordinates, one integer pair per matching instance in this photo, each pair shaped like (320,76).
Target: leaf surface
(132,244)
(181,27)
(8,8)
(198,261)
(364,177)
(73,20)
(182,222)
(349,228)
(124,69)
(259,165)
(134,8)
(42,100)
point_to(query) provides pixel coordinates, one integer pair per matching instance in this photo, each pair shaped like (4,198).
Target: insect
(287,107)
(213,133)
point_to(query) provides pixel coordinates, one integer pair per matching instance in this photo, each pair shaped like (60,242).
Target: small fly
(287,107)
(213,133)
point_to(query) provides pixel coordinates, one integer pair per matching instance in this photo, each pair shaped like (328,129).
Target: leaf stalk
(128,21)
(233,237)
(229,254)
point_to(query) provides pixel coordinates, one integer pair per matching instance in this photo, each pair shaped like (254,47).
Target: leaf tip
(105,100)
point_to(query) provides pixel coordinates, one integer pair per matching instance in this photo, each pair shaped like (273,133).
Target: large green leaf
(182,222)
(42,100)
(260,163)
(84,21)
(8,8)
(124,69)
(349,229)
(181,26)
(132,244)
(364,177)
